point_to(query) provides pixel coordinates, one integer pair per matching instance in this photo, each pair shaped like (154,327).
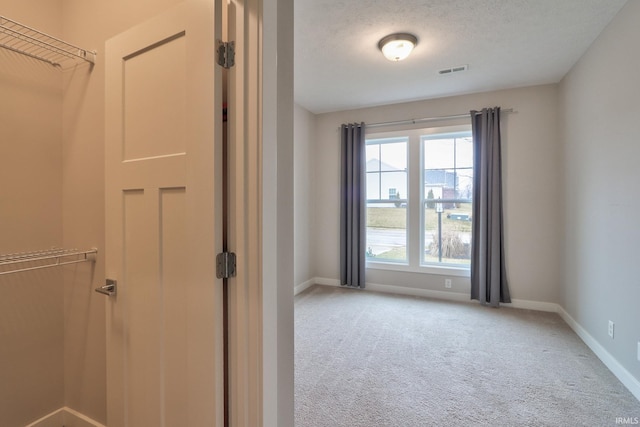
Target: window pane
(386,233)
(387,169)
(464,152)
(438,153)
(373,186)
(393,156)
(447,174)
(447,235)
(465,183)
(373,158)
(394,185)
(387,180)
(439,178)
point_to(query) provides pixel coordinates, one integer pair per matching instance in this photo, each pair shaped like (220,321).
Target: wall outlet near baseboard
(611,328)
(447,283)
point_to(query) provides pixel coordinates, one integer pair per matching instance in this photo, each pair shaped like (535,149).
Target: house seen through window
(419,197)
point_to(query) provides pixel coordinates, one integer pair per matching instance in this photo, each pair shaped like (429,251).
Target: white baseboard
(303,286)
(610,362)
(326,282)
(427,293)
(444,295)
(66,417)
(533,305)
(54,419)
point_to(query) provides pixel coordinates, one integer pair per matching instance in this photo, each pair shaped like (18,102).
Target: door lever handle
(110,289)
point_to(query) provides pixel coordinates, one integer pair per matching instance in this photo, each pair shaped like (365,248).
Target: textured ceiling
(506,44)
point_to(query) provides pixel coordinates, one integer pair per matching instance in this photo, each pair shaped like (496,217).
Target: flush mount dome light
(396,47)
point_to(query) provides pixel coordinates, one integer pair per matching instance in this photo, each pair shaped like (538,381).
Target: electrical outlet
(611,326)
(447,283)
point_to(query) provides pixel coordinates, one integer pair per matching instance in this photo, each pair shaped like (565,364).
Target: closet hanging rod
(35,44)
(53,256)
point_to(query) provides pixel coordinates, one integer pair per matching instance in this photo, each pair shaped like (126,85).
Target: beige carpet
(367,359)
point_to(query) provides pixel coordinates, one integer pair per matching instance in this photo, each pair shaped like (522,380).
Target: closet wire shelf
(27,261)
(28,41)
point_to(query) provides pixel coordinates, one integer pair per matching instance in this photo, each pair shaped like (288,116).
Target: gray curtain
(488,273)
(352,206)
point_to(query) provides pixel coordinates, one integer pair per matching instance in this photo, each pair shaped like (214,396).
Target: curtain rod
(428,119)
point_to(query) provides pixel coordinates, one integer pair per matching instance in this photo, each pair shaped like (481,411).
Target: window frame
(415,200)
(423,197)
(405,200)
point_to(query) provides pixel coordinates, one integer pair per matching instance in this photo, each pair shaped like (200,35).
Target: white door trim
(277,211)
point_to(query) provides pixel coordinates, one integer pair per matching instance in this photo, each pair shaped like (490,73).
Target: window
(386,199)
(419,198)
(447,185)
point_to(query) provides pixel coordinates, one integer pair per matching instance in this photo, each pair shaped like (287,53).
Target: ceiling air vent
(452,70)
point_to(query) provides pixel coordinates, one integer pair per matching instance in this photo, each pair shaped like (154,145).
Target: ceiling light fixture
(396,47)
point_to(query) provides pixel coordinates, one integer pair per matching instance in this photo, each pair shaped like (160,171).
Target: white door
(163,216)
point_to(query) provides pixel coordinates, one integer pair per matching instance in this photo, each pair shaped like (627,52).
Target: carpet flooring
(364,359)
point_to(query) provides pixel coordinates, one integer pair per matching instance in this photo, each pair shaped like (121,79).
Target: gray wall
(532,174)
(600,127)
(304,132)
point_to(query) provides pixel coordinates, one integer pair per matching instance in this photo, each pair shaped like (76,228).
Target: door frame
(263,192)
(276,102)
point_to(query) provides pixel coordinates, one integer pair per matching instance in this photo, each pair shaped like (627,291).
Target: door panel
(142,309)
(163,163)
(155,99)
(174,306)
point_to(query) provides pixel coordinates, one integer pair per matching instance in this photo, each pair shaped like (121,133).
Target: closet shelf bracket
(27,261)
(35,44)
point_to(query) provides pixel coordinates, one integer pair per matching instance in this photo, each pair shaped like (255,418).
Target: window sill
(424,269)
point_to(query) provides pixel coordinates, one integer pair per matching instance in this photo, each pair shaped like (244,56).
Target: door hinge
(226,53)
(225,265)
